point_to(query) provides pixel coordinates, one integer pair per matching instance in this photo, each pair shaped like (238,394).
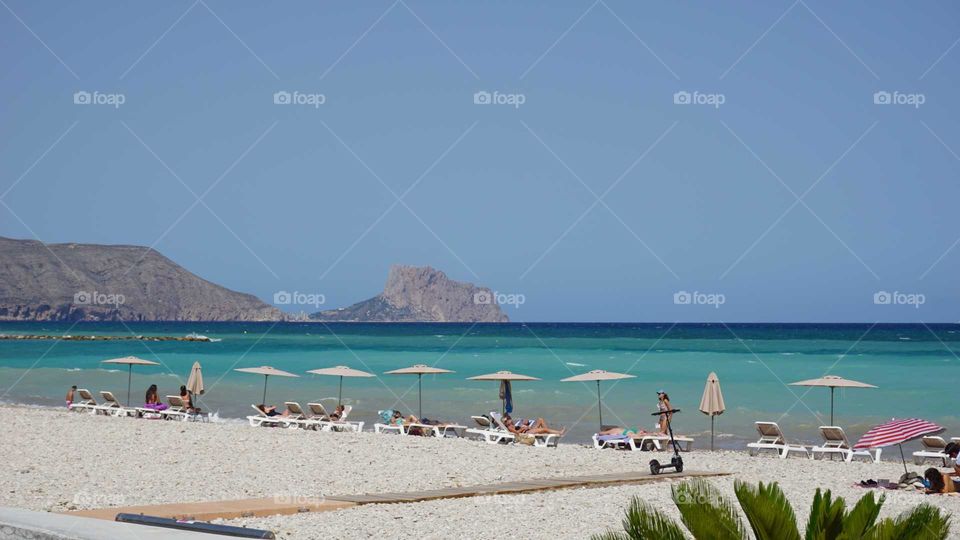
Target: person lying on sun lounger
(337,413)
(938,482)
(629,432)
(271,410)
(538,427)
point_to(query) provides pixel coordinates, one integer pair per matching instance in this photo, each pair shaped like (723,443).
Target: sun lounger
(542,440)
(642,441)
(317,417)
(933,448)
(771,438)
(87,403)
(113,407)
(835,443)
(176,410)
(342,424)
(262,420)
(388,426)
(489,432)
(296,417)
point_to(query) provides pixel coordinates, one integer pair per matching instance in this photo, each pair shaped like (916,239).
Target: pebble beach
(59,461)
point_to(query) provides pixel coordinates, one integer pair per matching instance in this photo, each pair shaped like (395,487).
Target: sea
(916,369)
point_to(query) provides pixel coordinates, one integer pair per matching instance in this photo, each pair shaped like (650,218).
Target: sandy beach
(60,461)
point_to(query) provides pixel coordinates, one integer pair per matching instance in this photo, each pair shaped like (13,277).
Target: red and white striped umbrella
(897,432)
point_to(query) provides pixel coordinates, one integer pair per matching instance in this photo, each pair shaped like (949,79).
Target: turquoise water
(915,366)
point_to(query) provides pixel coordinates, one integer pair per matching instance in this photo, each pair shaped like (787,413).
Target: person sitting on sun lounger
(538,427)
(271,410)
(152,400)
(187,399)
(952,450)
(337,413)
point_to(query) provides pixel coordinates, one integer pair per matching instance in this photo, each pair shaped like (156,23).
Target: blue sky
(798,198)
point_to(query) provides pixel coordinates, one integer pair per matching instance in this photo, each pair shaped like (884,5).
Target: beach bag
(528,440)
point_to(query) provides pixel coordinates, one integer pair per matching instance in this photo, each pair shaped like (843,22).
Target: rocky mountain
(421,294)
(68,282)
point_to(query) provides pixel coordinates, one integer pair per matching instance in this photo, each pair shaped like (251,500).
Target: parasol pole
(420,395)
(712,417)
(340,393)
(129,380)
(903,459)
(599,405)
(831,406)
(264,402)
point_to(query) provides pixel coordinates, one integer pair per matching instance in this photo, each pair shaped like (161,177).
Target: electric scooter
(676,462)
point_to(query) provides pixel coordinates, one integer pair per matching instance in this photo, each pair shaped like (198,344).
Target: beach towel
(507,396)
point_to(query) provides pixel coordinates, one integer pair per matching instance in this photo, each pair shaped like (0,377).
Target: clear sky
(783,186)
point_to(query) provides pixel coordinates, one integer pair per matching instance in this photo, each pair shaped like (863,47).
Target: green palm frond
(768,511)
(861,519)
(643,522)
(826,517)
(924,522)
(706,513)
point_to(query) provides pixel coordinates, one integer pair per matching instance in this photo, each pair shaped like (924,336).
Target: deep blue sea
(916,368)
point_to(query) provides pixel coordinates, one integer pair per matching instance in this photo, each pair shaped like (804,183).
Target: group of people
(271,410)
(151,399)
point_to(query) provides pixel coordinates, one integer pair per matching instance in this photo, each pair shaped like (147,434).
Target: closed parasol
(711,403)
(505,378)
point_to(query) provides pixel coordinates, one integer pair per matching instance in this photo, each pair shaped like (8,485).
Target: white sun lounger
(542,440)
(771,438)
(262,420)
(342,424)
(490,433)
(296,417)
(643,441)
(318,418)
(113,407)
(835,443)
(88,403)
(177,410)
(933,448)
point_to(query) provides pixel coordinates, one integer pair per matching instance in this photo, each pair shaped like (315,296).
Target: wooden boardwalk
(205,511)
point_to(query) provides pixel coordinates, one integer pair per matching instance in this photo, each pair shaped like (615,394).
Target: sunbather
(70,393)
(337,413)
(952,451)
(938,482)
(271,410)
(629,432)
(187,398)
(152,400)
(539,427)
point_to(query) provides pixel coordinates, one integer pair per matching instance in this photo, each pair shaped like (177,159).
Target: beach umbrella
(419,370)
(130,361)
(266,371)
(832,381)
(341,371)
(598,375)
(712,401)
(897,432)
(195,381)
(505,378)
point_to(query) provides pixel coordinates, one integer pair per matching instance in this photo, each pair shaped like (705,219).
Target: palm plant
(707,515)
